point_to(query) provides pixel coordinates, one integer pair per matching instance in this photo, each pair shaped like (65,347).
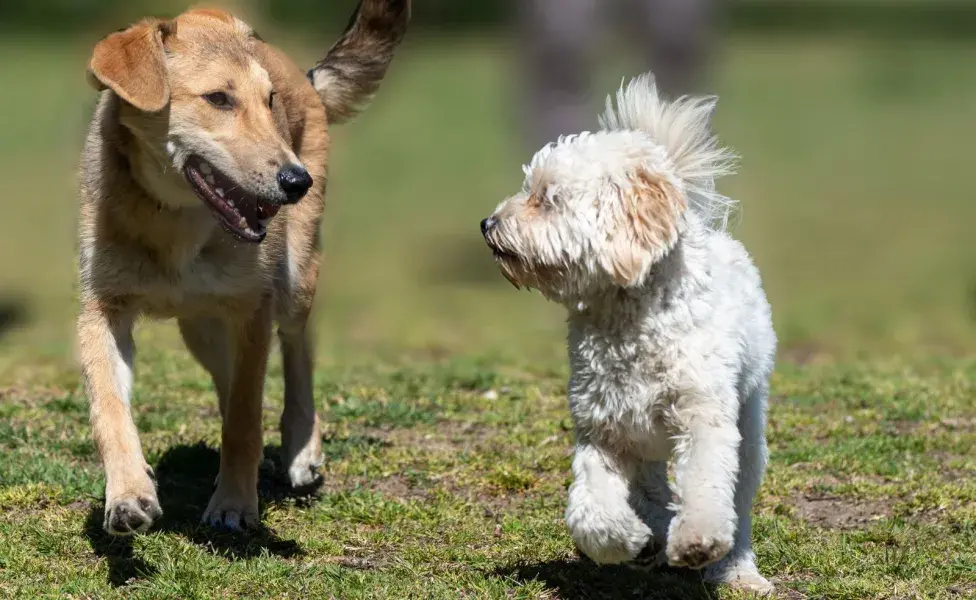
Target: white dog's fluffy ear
(645,228)
(682,127)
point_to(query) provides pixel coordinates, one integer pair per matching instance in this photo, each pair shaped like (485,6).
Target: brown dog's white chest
(184,265)
(205,286)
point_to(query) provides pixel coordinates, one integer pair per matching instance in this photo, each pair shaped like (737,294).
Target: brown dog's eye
(271,100)
(218,100)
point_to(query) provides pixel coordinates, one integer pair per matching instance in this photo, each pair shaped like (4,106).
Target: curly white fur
(682,127)
(671,341)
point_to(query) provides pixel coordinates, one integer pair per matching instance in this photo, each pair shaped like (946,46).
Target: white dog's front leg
(599,514)
(706,470)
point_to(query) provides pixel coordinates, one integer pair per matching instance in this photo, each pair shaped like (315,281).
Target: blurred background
(854,118)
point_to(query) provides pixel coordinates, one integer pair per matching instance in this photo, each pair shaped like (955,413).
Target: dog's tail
(682,127)
(349,75)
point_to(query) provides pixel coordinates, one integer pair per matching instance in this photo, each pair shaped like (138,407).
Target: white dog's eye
(542,200)
(536,202)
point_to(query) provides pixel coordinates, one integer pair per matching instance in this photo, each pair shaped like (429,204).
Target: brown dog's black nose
(294,181)
(487,224)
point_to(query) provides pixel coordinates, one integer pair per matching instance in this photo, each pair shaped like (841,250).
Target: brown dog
(203,143)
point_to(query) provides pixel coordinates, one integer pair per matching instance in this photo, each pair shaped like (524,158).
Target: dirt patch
(79,505)
(953,467)
(837,512)
(822,481)
(446,437)
(963,590)
(950,424)
(403,488)
(417,438)
(42,506)
(360,563)
(413,480)
(31,397)
(398,486)
(830,511)
(789,594)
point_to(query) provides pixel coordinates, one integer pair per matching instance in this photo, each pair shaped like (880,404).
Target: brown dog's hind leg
(210,343)
(107,350)
(234,503)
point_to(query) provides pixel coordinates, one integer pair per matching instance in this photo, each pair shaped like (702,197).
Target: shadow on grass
(124,566)
(185,479)
(579,579)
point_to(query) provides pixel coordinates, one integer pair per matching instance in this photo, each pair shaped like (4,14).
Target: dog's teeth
(206,170)
(210,179)
(264,222)
(231,202)
(242,223)
(220,192)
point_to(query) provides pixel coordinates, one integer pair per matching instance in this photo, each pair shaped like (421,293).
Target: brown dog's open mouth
(245,215)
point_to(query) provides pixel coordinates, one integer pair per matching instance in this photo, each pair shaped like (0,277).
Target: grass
(447,438)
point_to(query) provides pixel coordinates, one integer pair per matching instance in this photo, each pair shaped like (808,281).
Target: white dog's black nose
(294,181)
(487,224)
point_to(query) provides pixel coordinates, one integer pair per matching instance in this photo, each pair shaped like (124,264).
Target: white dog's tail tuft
(682,127)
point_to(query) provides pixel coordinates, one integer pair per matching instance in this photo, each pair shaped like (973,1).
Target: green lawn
(447,437)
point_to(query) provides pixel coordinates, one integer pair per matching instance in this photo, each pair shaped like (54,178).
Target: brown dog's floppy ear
(132,64)
(646,229)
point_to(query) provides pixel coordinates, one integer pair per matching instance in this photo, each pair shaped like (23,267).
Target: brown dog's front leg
(301,440)
(234,504)
(106,347)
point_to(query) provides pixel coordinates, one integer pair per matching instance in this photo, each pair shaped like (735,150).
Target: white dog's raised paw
(696,554)
(607,541)
(694,547)
(231,513)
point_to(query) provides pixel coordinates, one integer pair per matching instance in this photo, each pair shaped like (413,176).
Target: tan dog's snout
(294,182)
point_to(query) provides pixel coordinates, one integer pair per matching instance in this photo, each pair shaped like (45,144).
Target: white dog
(671,342)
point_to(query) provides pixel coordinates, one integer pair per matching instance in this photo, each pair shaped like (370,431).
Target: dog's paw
(232,512)
(301,455)
(753,583)
(692,546)
(131,514)
(131,504)
(608,542)
(303,470)
(739,573)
